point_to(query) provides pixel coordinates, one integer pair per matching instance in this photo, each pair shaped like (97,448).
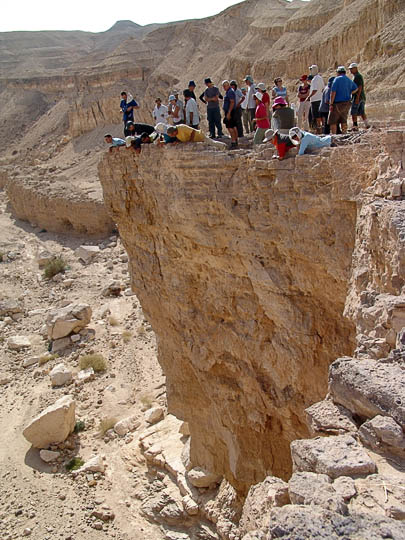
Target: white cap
(261,86)
(259,96)
(295,132)
(161,128)
(352,65)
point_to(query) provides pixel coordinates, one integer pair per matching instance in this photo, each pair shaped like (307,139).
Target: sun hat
(248,78)
(341,69)
(161,128)
(303,77)
(269,135)
(352,65)
(295,132)
(233,83)
(192,83)
(171,97)
(207,80)
(261,86)
(279,101)
(259,96)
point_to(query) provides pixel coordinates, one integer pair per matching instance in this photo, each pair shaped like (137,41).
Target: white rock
(201,478)
(17,343)
(53,425)
(75,338)
(190,506)
(44,258)
(30,361)
(126,425)
(60,375)
(154,414)
(85,375)
(129,292)
(71,318)
(95,464)
(48,455)
(87,253)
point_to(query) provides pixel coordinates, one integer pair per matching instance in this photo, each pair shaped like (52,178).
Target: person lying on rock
(135,128)
(137,143)
(114,142)
(308,141)
(282,143)
(162,136)
(186,134)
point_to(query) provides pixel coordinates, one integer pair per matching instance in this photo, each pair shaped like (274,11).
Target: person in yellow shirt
(186,134)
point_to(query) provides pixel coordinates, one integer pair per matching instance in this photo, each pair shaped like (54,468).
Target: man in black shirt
(139,141)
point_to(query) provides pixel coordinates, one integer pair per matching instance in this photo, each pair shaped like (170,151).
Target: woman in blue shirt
(279,90)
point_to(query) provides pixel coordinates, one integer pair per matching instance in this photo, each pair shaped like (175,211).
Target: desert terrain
(244,317)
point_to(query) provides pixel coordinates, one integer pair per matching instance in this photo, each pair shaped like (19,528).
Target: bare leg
(333,128)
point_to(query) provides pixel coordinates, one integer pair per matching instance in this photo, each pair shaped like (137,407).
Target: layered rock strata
(242,265)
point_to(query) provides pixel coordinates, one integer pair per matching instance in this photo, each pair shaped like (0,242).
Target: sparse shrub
(55,266)
(141,330)
(74,464)
(146,400)
(126,336)
(106,423)
(113,320)
(46,358)
(1,256)
(96,361)
(79,426)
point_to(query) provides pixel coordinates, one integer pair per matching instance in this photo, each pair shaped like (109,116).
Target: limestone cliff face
(242,266)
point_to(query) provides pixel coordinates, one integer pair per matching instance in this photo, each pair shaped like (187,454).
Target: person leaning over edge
(186,134)
(114,142)
(282,143)
(340,100)
(359,98)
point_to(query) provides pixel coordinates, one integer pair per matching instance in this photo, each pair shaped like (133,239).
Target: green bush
(96,361)
(74,464)
(79,426)
(56,266)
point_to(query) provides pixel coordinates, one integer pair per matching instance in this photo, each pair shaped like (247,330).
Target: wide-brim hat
(269,135)
(259,96)
(295,132)
(261,86)
(279,101)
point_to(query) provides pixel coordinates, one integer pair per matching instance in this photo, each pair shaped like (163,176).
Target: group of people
(252,109)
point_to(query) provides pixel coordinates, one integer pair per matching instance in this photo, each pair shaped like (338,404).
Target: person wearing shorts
(340,100)
(315,96)
(230,119)
(359,98)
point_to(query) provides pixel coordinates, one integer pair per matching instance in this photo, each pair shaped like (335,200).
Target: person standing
(324,108)
(160,112)
(251,103)
(359,98)
(191,88)
(179,102)
(240,98)
(283,117)
(211,98)
(266,98)
(245,112)
(127,106)
(315,96)
(174,110)
(340,100)
(229,110)
(192,116)
(261,119)
(303,104)
(279,90)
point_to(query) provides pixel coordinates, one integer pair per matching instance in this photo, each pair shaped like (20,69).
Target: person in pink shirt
(261,119)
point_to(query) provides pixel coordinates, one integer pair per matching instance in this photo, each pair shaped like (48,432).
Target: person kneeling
(282,143)
(308,141)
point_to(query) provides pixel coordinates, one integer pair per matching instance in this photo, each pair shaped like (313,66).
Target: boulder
(53,425)
(154,414)
(201,478)
(315,489)
(85,375)
(113,288)
(87,253)
(126,425)
(190,506)
(10,307)
(334,456)
(30,361)
(48,455)
(327,417)
(60,375)
(44,258)
(382,430)
(61,344)
(71,318)
(18,343)
(95,464)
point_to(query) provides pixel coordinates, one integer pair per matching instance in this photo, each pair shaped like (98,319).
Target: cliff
(243,266)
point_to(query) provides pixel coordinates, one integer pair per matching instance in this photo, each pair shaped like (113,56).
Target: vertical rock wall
(242,266)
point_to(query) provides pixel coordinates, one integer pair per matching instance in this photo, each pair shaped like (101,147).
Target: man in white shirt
(315,96)
(251,103)
(192,116)
(160,112)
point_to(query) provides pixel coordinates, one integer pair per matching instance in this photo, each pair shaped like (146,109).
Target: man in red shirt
(261,119)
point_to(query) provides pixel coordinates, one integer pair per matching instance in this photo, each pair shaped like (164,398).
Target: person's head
(248,80)
(172,99)
(341,70)
(278,82)
(158,102)
(279,103)
(124,94)
(234,84)
(313,70)
(191,86)
(295,135)
(130,126)
(208,82)
(145,137)
(304,79)
(261,86)
(330,81)
(270,135)
(108,138)
(353,68)
(172,132)
(243,90)
(187,94)
(176,94)
(226,85)
(258,97)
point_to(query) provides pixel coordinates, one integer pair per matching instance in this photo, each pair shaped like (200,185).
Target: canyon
(251,311)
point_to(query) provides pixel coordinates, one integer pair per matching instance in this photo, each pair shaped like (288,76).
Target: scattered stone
(27,531)
(315,489)
(87,253)
(95,464)
(71,318)
(30,361)
(334,456)
(75,338)
(190,506)
(60,375)
(103,514)
(129,292)
(386,430)
(4,379)
(61,344)
(201,478)
(154,414)
(10,307)
(18,343)
(326,417)
(53,425)
(126,425)
(48,455)
(113,288)
(346,487)
(85,375)
(44,258)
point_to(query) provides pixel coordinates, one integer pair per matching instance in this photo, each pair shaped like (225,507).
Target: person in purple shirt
(230,119)
(340,100)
